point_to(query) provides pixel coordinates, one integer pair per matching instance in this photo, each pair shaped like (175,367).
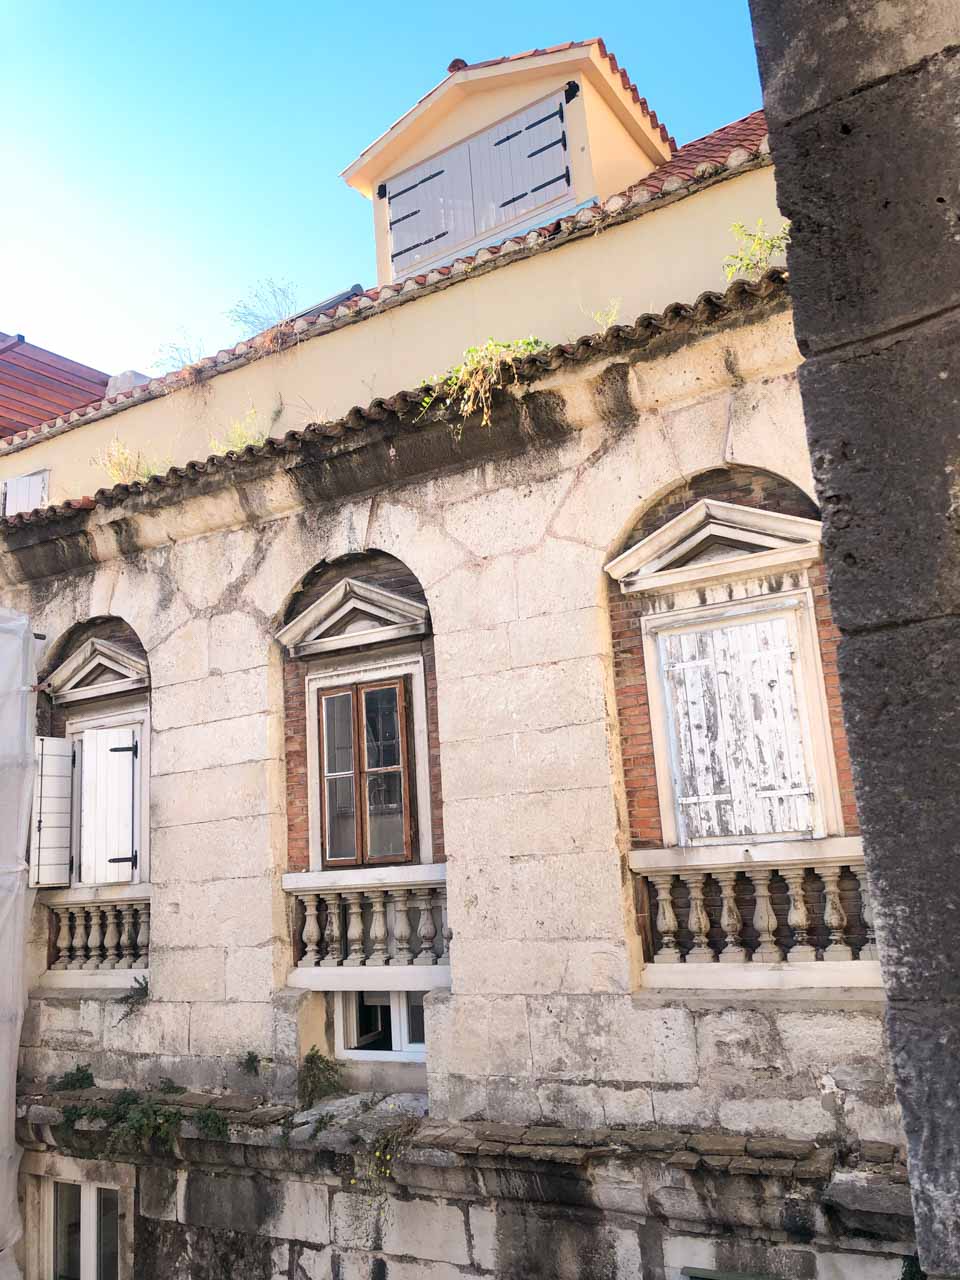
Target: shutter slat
(519,164)
(50,825)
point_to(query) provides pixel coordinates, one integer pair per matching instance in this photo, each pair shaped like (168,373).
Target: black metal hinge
(570,90)
(134,749)
(132,859)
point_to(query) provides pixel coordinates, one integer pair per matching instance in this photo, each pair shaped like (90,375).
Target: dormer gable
(98,669)
(352,614)
(502,146)
(715,540)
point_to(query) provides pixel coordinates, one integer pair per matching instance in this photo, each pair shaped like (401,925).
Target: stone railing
(371,928)
(758,910)
(100,938)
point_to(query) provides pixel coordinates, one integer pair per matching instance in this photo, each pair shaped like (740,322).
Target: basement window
(85,1231)
(380,1026)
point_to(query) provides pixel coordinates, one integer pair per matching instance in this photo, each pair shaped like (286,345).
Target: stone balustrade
(761,907)
(372,929)
(101,937)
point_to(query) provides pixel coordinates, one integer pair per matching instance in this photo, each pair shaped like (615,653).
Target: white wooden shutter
(110,771)
(520,164)
(739,764)
(429,207)
(50,826)
(25,493)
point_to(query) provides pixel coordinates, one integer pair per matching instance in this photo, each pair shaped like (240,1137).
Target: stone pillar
(862,101)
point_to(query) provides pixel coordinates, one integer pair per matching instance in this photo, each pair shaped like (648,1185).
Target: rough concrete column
(863,101)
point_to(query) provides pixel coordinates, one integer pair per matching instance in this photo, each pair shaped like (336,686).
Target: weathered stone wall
(507,529)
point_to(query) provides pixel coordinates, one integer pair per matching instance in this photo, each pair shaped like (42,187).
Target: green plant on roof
(242,432)
(127,466)
(468,387)
(756,248)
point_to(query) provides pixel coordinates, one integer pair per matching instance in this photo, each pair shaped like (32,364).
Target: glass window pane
(338,733)
(415,1021)
(108,1233)
(373,1021)
(382,720)
(66,1231)
(341,814)
(385,814)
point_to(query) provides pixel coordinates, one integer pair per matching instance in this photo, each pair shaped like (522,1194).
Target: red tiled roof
(725,149)
(36,385)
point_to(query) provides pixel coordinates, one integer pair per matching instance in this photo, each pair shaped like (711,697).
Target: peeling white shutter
(739,764)
(520,164)
(50,826)
(428,207)
(109,805)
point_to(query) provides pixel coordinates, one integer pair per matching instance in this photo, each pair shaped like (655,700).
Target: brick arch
(51,719)
(382,570)
(747,486)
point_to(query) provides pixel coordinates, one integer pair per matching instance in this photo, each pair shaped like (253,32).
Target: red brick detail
(748,488)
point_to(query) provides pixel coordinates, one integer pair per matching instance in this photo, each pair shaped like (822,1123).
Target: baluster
(426,926)
(310,933)
(79,939)
(355,954)
(446,933)
(63,938)
(667,924)
(401,927)
(869,949)
(801,952)
(332,932)
(698,922)
(94,939)
(731,921)
(834,916)
(126,938)
(378,926)
(764,918)
(143,938)
(111,940)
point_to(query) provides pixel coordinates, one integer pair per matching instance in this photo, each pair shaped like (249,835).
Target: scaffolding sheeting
(17,727)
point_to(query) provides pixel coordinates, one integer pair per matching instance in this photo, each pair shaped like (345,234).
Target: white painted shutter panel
(52,811)
(25,493)
(429,207)
(108,809)
(738,755)
(520,164)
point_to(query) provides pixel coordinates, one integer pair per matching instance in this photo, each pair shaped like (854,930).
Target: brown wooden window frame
(362,771)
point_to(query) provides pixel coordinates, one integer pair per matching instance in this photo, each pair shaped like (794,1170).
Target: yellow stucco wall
(669,254)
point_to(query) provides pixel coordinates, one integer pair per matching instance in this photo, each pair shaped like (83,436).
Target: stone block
(158,1192)
(230,1030)
(735,1042)
(475,597)
(718,1144)
(507,520)
(541,697)
(418,1228)
(238,641)
(204,568)
(65,1023)
(214,698)
(541,968)
(546,823)
(154,1028)
(804,49)
(187,973)
(198,851)
(217,913)
(252,1204)
(483,1237)
(626,1105)
(300,1213)
(649,1044)
(558,577)
(557,637)
(221,743)
(472,653)
(879,1122)
(310,1264)
(788,1148)
(819,1040)
(211,795)
(361,1266)
(788,1116)
(182,656)
(252,973)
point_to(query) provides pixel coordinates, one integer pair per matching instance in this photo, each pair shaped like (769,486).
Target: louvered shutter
(429,207)
(739,764)
(520,164)
(25,493)
(108,809)
(50,827)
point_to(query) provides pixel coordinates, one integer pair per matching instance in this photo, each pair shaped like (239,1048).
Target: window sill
(807,976)
(89,895)
(773,853)
(406,977)
(94,982)
(366,877)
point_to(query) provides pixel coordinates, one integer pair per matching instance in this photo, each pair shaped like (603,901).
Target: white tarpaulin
(17,728)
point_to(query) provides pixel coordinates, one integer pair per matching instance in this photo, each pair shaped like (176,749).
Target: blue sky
(158,161)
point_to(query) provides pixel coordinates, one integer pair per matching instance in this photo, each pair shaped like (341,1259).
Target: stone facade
(550,1020)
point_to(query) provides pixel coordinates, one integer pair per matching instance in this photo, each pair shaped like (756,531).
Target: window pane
(385,814)
(373,1021)
(341,824)
(66,1231)
(382,720)
(108,1233)
(338,733)
(415,1021)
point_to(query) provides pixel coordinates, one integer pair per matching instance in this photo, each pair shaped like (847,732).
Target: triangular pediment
(98,669)
(351,614)
(708,539)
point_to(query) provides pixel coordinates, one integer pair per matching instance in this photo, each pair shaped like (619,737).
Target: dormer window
(491,181)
